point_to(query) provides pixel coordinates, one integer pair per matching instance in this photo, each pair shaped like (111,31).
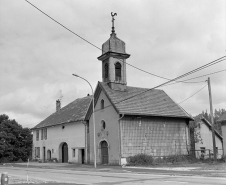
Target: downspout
(120,144)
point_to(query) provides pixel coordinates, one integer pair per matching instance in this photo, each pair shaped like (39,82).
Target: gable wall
(73,134)
(207,142)
(156,136)
(110,134)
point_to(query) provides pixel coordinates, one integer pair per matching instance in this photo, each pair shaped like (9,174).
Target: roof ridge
(66,110)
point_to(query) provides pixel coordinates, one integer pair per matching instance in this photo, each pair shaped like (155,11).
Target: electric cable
(181,76)
(97,46)
(170,80)
(198,77)
(192,94)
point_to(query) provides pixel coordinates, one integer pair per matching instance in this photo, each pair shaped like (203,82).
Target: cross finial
(113,28)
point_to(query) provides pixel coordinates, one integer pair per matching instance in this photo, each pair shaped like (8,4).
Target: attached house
(205,145)
(222,120)
(62,134)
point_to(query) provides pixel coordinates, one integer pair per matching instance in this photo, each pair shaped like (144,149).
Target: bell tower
(114,61)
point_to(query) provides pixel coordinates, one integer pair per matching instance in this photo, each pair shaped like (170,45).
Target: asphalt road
(125,177)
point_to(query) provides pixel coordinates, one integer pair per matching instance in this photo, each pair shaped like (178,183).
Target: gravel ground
(20,181)
(17,180)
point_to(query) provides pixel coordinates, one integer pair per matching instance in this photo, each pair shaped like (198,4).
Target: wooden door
(104,152)
(64,153)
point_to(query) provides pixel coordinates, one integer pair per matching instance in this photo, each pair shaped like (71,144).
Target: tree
(15,141)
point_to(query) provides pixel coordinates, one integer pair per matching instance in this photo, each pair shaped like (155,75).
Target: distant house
(204,128)
(62,134)
(222,120)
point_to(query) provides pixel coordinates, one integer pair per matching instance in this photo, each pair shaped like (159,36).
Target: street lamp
(94,130)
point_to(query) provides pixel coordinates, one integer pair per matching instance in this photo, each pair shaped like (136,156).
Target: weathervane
(113,28)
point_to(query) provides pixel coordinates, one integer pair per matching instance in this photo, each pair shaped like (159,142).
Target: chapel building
(132,120)
(128,120)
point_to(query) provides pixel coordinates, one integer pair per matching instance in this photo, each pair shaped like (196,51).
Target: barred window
(118,74)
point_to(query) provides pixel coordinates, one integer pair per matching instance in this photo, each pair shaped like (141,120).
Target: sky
(164,37)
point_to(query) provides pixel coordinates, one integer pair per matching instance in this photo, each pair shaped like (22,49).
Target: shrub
(140,159)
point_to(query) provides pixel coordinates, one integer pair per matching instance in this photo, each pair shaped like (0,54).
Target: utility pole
(212,121)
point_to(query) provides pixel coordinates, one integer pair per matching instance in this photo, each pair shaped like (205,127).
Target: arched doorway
(104,152)
(64,153)
(48,154)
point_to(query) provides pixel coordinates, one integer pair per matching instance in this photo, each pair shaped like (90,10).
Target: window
(73,152)
(106,70)
(37,135)
(52,151)
(42,134)
(45,133)
(103,125)
(37,152)
(203,149)
(118,74)
(102,104)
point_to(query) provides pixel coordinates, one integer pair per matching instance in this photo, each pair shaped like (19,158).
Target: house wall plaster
(207,141)
(110,134)
(73,134)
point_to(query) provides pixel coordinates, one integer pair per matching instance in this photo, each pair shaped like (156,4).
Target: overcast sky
(167,38)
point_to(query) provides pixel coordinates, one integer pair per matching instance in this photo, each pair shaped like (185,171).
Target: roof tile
(135,101)
(74,111)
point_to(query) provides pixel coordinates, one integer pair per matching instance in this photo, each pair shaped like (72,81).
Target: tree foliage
(15,141)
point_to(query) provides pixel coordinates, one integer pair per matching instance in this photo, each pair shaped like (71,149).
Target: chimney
(58,105)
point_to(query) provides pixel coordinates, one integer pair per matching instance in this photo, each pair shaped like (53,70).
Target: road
(109,178)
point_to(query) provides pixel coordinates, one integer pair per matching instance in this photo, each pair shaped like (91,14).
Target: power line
(192,94)
(95,45)
(170,80)
(198,77)
(206,75)
(186,74)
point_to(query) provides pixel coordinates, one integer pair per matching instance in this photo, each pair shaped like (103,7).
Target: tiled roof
(153,102)
(222,118)
(74,111)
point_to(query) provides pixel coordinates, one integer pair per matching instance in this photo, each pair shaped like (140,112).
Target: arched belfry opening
(118,71)
(114,61)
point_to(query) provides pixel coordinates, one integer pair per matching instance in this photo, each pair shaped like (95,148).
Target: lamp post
(94,129)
